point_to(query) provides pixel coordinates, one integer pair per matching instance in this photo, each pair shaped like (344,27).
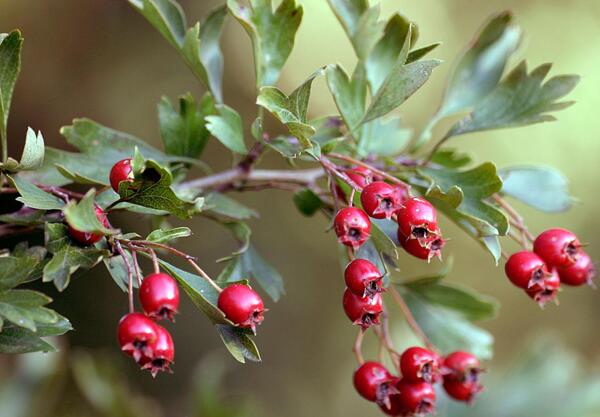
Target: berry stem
(385,337)
(357,348)
(155,264)
(136,265)
(410,319)
(379,172)
(517,220)
(331,168)
(129,274)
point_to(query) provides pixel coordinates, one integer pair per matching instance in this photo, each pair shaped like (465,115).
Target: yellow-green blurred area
(100,59)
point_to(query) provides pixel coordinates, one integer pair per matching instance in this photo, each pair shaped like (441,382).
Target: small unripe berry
(374,382)
(87,238)
(352,226)
(159,296)
(121,171)
(461,376)
(525,269)
(363,278)
(361,176)
(581,272)
(557,247)
(136,334)
(545,291)
(425,248)
(417,219)
(362,311)
(414,399)
(163,353)
(380,200)
(242,305)
(418,364)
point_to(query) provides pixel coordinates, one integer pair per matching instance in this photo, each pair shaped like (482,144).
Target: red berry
(121,171)
(163,353)
(380,199)
(424,248)
(242,305)
(557,247)
(159,296)
(362,311)
(374,382)
(352,226)
(136,334)
(581,272)
(361,176)
(363,278)
(461,376)
(417,219)
(525,269)
(545,291)
(87,238)
(418,364)
(413,399)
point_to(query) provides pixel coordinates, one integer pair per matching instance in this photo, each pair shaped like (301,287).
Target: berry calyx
(380,200)
(159,296)
(87,238)
(557,247)
(418,364)
(374,382)
(546,291)
(581,272)
(425,248)
(461,376)
(163,353)
(414,399)
(417,219)
(121,171)
(352,226)
(526,269)
(136,334)
(242,305)
(362,311)
(363,278)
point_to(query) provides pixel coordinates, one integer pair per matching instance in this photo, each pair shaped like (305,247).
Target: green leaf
(291,110)
(33,154)
(25,216)
(239,344)
(349,94)
(383,243)
(361,23)
(82,215)
(184,132)
(118,270)
(451,158)
(520,99)
(401,83)
(543,188)
(210,50)
(221,204)
(447,329)
(417,54)
(286,146)
(77,178)
(33,196)
(25,308)
(16,270)
(383,137)
(152,189)
(20,340)
(10,65)
(60,327)
(465,192)
(227,128)
(272,34)
(164,236)
(307,202)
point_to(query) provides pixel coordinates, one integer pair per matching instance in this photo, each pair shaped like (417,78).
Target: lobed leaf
(227,128)
(33,196)
(349,94)
(82,216)
(164,236)
(10,66)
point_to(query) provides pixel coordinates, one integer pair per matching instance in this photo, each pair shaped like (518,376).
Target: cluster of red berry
(557,258)
(414,393)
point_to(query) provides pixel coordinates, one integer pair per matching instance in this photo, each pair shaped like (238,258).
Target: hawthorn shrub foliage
(378,183)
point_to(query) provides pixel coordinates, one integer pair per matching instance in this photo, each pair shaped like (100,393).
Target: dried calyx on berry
(363,278)
(136,335)
(417,219)
(583,271)
(362,311)
(418,364)
(163,353)
(375,383)
(88,238)
(559,248)
(546,291)
(159,296)
(413,399)
(121,171)
(426,248)
(352,226)
(461,372)
(525,269)
(242,305)
(381,200)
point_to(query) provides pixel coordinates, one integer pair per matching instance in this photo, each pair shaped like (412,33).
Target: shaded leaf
(118,270)
(210,50)
(239,344)
(543,188)
(221,204)
(349,94)
(383,137)
(82,216)
(163,236)
(227,128)
(19,340)
(33,196)
(307,202)
(10,65)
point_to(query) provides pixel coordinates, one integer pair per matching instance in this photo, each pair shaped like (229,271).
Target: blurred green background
(100,59)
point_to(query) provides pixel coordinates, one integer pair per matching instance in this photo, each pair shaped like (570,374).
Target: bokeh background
(100,59)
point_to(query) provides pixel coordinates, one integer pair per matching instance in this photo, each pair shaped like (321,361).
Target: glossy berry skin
(363,278)
(461,376)
(424,248)
(373,382)
(419,365)
(159,296)
(417,219)
(380,200)
(87,238)
(163,353)
(242,305)
(136,335)
(362,311)
(352,226)
(581,272)
(525,269)
(414,399)
(559,248)
(121,171)
(546,291)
